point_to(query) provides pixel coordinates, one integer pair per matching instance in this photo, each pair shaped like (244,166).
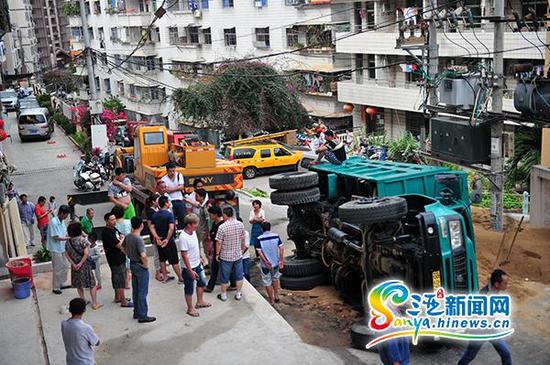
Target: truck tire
(372,210)
(305,282)
(296,197)
(297,268)
(361,335)
(294,180)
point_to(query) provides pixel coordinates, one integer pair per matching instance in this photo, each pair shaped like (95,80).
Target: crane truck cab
(153,149)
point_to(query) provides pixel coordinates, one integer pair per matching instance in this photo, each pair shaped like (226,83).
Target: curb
(70,138)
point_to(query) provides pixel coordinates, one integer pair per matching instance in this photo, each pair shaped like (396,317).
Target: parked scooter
(88,176)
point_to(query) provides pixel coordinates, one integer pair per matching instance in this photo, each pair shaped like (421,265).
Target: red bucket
(20,268)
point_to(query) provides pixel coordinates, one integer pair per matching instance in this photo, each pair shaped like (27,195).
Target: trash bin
(22,288)
(20,268)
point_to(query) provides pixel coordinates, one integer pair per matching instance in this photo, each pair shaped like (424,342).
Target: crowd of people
(192,235)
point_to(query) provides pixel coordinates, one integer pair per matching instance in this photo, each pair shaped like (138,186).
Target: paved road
(44,167)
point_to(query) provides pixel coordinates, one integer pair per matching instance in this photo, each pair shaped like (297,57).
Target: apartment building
(195,35)
(21,46)
(392,93)
(51,29)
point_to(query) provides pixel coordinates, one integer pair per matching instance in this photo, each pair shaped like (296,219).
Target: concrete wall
(539,216)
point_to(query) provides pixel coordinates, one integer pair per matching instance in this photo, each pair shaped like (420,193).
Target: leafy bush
(45,101)
(42,255)
(114,104)
(527,150)
(511,201)
(71,9)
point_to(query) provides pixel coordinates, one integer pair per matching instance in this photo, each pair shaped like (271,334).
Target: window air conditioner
(197,13)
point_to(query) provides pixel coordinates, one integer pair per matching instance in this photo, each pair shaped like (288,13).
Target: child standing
(95,254)
(271,250)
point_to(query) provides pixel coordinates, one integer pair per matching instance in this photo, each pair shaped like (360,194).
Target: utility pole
(497,159)
(88,51)
(433,47)
(547,51)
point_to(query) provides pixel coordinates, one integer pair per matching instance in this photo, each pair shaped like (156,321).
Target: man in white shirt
(175,186)
(188,245)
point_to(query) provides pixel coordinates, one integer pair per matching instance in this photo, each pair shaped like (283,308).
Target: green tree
(527,150)
(241,98)
(64,79)
(114,104)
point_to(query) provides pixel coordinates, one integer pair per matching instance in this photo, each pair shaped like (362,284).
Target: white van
(34,123)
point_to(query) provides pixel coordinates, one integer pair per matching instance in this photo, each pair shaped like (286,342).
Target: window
(97,84)
(260,3)
(280,152)
(230,37)
(151,63)
(173,36)
(204,4)
(207,35)
(371,63)
(193,35)
(133,90)
(241,153)
(292,38)
(228,3)
(114,35)
(150,138)
(97,7)
(370,15)
(262,37)
(265,153)
(120,87)
(540,7)
(107,85)
(359,66)
(157,93)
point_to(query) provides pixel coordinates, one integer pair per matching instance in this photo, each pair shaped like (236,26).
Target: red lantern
(3,135)
(348,108)
(1,123)
(371,111)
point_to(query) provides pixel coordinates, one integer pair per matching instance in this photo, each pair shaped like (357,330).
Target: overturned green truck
(364,221)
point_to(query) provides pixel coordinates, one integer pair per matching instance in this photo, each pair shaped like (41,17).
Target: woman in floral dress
(77,250)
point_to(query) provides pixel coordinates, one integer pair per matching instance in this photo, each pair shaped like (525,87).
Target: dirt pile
(528,261)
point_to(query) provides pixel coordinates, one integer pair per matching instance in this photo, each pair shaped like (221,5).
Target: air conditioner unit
(197,13)
(259,44)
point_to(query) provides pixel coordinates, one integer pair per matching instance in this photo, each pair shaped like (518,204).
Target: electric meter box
(458,92)
(455,140)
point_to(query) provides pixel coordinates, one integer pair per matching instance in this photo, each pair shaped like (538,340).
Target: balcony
(126,47)
(142,106)
(405,96)
(381,43)
(134,19)
(383,94)
(75,21)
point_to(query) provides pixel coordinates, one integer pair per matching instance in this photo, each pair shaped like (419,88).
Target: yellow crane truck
(155,146)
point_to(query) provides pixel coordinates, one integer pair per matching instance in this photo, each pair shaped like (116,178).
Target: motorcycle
(373,152)
(88,177)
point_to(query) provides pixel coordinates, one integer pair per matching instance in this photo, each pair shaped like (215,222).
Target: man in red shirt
(42,219)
